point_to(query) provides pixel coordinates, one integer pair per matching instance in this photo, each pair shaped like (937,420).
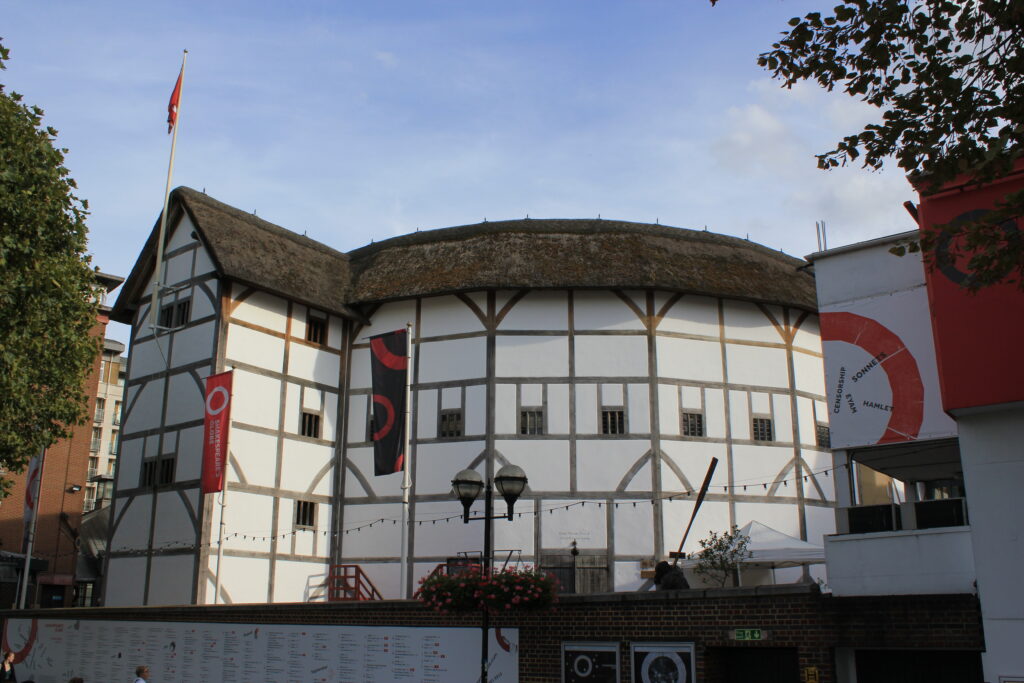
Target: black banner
(389,365)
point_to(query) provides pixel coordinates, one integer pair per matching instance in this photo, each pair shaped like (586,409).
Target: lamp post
(467,484)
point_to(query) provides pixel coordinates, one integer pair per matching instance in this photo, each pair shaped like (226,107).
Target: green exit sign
(750,634)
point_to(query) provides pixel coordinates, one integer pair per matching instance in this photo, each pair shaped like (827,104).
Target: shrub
(509,589)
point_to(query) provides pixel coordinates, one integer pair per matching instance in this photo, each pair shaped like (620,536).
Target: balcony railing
(100,414)
(95,445)
(92,472)
(921,514)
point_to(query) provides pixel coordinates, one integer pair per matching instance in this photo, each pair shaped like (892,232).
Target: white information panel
(52,651)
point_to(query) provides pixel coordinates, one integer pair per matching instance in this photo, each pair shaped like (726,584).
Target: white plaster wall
(821,522)
(714,413)
(602,464)
(202,303)
(298,581)
(391,317)
(146,357)
(697,315)
(358,417)
(692,458)
(129,463)
(254,348)
(739,414)
(668,409)
(757,365)
(585,524)
(587,409)
(251,516)
(475,410)
(301,465)
(256,455)
(744,320)
(437,463)
(125,581)
(171,580)
(546,462)
(386,576)
(809,373)
(427,416)
(782,414)
(808,335)
(362,460)
(359,370)
(446,538)
(638,408)
(558,409)
(451,359)
(599,310)
(193,344)
(178,269)
(805,419)
(132,529)
(255,399)
(529,356)
(447,315)
(514,535)
(506,421)
(714,516)
(314,365)
(538,310)
(203,262)
(147,407)
(185,398)
(634,529)
(611,356)
(173,521)
(383,539)
(758,464)
(626,576)
(690,359)
(334,332)
(180,233)
(244,579)
(260,308)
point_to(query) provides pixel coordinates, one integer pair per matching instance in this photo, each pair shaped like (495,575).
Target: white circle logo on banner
(209,401)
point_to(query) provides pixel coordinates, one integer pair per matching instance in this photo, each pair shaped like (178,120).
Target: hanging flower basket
(506,590)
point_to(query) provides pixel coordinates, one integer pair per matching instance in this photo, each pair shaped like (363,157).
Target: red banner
(215,431)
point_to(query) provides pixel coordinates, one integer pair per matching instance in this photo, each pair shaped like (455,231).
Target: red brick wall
(65,463)
(796,617)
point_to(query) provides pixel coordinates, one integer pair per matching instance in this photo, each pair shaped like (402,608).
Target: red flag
(215,431)
(172,106)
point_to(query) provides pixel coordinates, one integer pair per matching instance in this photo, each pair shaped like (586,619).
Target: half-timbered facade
(610,360)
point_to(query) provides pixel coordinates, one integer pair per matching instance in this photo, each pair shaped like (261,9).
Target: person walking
(142,674)
(7,667)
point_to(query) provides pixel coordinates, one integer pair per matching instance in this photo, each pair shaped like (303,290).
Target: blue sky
(358,121)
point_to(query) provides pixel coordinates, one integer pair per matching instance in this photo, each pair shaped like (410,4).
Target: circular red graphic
(897,362)
(389,408)
(20,655)
(387,359)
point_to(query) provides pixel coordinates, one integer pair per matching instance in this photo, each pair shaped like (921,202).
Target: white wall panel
(299,314)
(821,522)
(627,577)
(586,408)
(148,407)
(437,463)
(601,464)
(809,373)
(760,403)
(511,535)
(531,394)
(129,463)
(600,310)
(546,462)
(806,422)
(301,464)
(758,365)
(452,359)
(174,526)
(385,485)
(739,415)
(690,359)
(180,234)
(527,356)
(714,413)
(379,540)
(583,524)
(714,516)
(190,454)
(447,539)
(245,579)
(639,409)
(170,581)
(147,358)
(539,310)
(292,398)
(475,411)
(611,356)
(312,399)
(256,399)
(613,395)
(668,409)
(691,397)
(386,577)
(260,308)
(298,581)
(203,263)
(634,528)
(451,397)
(744,320)
(819,462)
(641,480)
(359,370)
(443,315)
(692,458)
(808,336)
(558,409)
(358,417)
(178,269)
(692,315)
(256,455)
(251,515)
(427,416)
(185,399)
(132,532)
(313,364)
(202,305)
(754,465)
(193,344)
(505,419)
(126,582)
(334,332)
(783,412)
(391,317)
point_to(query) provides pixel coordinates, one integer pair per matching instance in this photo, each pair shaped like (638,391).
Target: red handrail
(349,583)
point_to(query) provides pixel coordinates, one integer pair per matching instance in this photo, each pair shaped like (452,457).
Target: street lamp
(467,484)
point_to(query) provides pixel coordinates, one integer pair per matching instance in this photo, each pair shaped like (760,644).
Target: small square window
(167,317)
(316,329)
(310,425)
(305,514)
(693,424)
(148,477)
(449,424)
(613,421)
(531,421)
(182,312)
(762,429)
(822,435)
(166,473)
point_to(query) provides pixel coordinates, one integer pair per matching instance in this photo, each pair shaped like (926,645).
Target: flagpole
(154,303)
(406,464)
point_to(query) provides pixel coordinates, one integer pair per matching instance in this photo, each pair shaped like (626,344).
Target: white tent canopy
(771,548)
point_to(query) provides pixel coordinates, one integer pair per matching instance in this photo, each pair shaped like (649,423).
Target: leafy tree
(47,290)
(721,554)
(949,79)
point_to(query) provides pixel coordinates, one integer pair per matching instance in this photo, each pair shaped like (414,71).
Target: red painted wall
(978,337)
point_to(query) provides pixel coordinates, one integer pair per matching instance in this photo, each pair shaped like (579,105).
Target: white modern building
(106,429)
(610,360)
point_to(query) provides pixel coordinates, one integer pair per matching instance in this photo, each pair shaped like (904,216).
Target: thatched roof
(528,253)
(581,253)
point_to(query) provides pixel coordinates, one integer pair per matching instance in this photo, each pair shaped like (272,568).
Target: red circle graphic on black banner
(388,359)
(389,422)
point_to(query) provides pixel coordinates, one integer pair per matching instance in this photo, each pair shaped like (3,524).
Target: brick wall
(795,617)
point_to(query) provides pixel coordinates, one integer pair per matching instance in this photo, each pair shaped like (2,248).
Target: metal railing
(349,583)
